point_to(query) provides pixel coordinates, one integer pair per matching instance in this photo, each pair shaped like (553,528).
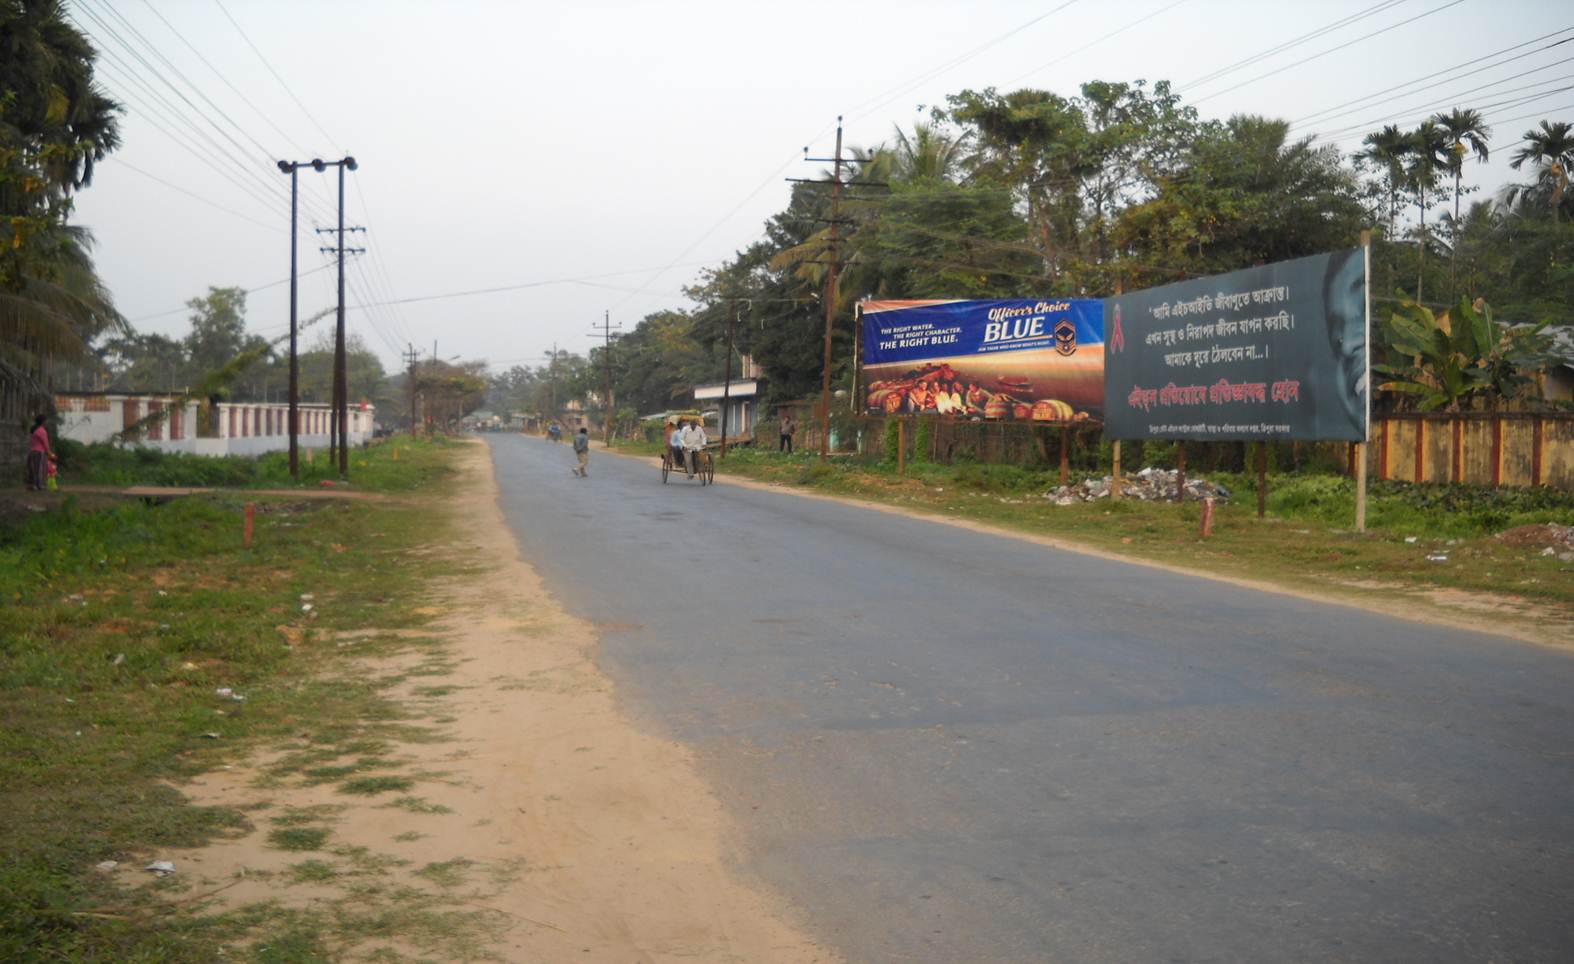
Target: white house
(742,397)
(224,428)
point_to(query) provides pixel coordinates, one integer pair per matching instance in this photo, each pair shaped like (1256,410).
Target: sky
(593,157)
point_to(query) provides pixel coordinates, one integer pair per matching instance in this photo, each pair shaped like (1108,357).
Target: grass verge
(141,645)
(399,464)
(1306,541)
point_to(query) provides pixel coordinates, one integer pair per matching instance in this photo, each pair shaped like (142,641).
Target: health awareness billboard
(1032,360)
(1276,352)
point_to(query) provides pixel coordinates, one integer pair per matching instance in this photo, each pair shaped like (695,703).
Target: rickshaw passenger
(675,441)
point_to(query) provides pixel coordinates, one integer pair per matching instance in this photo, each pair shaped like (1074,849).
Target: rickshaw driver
(693,440)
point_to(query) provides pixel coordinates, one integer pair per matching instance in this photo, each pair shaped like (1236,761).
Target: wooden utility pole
(411,356)
(605,329)
(726,384)
(831,279)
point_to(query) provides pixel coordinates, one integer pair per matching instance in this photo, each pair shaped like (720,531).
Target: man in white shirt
(693,440)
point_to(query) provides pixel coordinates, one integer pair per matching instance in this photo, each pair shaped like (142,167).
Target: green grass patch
(298,838)
(399,464)
(369,786)
(419,805)
(122,623)
(447,873)
(312,872)
(1306,540)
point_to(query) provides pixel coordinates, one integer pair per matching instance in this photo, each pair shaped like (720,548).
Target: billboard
(1276,352)
(1033,360)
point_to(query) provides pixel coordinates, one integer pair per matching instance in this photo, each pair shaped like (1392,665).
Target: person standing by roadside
(582,452)
(39,455)
(787,430)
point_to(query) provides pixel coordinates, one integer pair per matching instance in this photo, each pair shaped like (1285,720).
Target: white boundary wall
(243,428)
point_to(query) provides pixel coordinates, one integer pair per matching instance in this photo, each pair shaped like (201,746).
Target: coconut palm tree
(1551,148)
(1388,149)
(1466,131)
(929,153)
(1428,150)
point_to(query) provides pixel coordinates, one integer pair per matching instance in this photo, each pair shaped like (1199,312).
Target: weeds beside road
(1307,541)
(121,627)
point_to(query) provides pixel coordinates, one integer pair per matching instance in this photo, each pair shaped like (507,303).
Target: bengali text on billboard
(1275,352)
(1031,360)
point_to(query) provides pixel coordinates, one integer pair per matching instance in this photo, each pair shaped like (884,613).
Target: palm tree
(1552,150)
(1388,149)
(928,153)
(1466,131)
(1428,147)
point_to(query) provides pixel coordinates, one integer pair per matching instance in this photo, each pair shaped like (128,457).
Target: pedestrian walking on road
(787,430)
(39,455)
(582,451)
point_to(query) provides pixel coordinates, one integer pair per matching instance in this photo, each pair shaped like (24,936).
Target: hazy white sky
(603,152)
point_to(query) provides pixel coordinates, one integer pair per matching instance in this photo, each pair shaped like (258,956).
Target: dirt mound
(1546,535)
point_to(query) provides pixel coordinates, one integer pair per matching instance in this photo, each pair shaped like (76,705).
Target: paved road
(949,746)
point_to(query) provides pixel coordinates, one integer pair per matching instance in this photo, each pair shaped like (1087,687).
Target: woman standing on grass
(39,455)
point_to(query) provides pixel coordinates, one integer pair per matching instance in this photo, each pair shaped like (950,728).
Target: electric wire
(1318,115)
(242,31)
(1092,43)
(1292,43)
(1349,43)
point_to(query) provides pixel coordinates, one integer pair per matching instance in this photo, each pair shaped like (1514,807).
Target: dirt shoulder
(523,819)
(1516,617)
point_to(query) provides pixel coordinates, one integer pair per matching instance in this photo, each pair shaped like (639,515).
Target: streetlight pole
(290,168)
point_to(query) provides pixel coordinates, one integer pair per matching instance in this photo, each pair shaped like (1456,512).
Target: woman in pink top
(39,455)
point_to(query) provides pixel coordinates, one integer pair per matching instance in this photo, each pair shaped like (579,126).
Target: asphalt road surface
(950,746)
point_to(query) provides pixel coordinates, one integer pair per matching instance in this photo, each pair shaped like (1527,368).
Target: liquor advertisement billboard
(1275,352)
(1029,359)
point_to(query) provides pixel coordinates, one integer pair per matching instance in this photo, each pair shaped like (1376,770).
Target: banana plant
(1449,360)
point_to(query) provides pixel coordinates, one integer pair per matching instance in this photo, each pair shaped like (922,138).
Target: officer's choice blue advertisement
(1033,360)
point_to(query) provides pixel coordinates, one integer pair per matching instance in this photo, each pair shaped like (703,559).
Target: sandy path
(570,835)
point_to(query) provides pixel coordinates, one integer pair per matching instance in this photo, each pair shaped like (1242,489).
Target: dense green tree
(1246,195)
(1388,150)
(54,124)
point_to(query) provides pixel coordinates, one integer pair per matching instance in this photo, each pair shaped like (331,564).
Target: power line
(858,113)
(1455,97)
(1294,42)
(241,30)
(213,204)
(1119,30)
(1515,101)
(1388,90)
(1348,43)
(220,75)
(271,284)
(527,284)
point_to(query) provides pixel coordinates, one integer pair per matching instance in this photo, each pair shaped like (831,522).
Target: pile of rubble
(1549,537)
(1148,485)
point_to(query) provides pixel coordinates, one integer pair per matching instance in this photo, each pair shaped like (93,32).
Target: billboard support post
(1065,456)
(1262,479)
(901,446)
(1360,447)
(1114,489)
(1180,471)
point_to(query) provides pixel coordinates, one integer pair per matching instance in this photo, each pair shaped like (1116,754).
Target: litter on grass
(161,867)
(1148,485)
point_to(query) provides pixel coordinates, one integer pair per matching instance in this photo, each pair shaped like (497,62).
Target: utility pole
(552,383)
(341,393)
(833,273)
(295,364)
(411,356)
(338,436)
(605,329)
(726,384)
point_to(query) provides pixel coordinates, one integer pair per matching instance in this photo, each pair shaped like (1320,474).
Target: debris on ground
(105,866)
(1549,537)
(1148,485)
(161,867)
